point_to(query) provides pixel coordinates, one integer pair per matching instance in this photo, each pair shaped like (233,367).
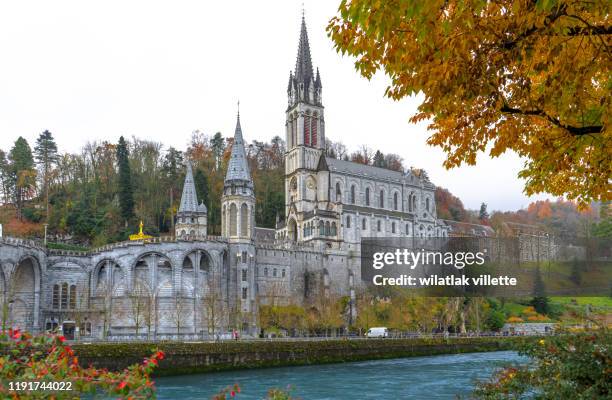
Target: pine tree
(5,175)
(46,156)
(483,215)
(126,193)
(218,146)
(540,300)
(202,190)
(379,160)
(23,175)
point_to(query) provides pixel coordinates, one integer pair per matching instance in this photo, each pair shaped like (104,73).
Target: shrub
(496,320)
(46,358)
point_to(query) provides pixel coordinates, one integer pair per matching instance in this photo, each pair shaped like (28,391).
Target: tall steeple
(304,85)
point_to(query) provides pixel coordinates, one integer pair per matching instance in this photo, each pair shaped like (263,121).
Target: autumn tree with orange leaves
(528,76)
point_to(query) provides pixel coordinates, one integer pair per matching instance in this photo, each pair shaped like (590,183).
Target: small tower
(191,218)
(238,200)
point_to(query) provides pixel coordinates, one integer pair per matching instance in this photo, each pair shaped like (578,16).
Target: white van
(380,332)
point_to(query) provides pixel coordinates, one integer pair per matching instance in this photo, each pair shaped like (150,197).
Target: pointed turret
(303,63)
(238,200)
(238,166)
(302,81)
(191,218)
(189,199)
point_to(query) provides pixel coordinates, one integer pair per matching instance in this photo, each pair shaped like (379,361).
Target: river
(432,377)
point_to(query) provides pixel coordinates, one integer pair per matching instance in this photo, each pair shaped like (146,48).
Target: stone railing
(22,242)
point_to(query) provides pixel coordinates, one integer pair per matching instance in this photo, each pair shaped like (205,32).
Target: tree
(527,76)
(379,160)
(539,301)
(218,146)
(126,194)
(483,215)
(5,177)
(46,157)
(201,185)
(23,175)
(496,320)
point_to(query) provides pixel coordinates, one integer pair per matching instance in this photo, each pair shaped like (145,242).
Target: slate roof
(366,171)
(238,166)
(189,199)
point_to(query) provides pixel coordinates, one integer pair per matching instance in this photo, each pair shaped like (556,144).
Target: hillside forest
(99,195)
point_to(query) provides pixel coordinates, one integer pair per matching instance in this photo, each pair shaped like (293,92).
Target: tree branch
(574,130)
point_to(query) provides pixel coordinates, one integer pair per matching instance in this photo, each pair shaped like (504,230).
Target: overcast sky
(160,70)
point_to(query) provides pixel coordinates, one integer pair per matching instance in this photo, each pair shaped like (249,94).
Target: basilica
(191,284)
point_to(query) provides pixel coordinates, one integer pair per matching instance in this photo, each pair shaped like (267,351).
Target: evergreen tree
(218,147)
(5,174)
(483,215)
(539,301)
(23,175)
(126,194)
(201,184)
(379,160)
(46,156)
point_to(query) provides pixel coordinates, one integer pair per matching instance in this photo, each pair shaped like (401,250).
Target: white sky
(160,70)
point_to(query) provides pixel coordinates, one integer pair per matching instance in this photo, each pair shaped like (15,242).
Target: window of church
(244,275)
(56,296)
(307,129)
(382,199)
(283,273)
(407,229)
(363,224)
(338,193)
(334,229)
(244,256)
(321,228)
(427,204)
(395,201)
(244,293)
(367,197)
(72,302)
(233,220)
(378,225)
(265,271)
(353,194)
(393,227)
(348,221)
(327,229)
(274,272)
(313,129)
(64,296)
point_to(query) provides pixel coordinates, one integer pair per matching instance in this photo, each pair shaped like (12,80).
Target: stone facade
(193,284)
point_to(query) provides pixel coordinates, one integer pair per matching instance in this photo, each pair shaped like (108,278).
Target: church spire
(303,63)
(189,199)
(238,166)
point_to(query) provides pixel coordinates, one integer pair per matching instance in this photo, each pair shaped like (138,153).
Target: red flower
(160,355)
(122,385)
(154,361)
(61,339)
(16,334)
(232,393)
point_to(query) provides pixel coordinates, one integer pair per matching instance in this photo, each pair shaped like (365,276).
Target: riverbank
(188,358)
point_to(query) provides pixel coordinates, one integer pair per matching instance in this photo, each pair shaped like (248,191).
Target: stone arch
(23,293)
(142,269)
(233,216)
(292,229)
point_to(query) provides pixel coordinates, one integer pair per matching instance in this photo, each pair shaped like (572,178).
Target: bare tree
(180,309)
(139,304)
(213,304)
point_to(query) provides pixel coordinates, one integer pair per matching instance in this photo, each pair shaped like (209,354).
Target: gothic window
(266,271)
(244,293)
(64,296)
(244,275)
(305,230)
(321,228)
(294,129)
(283,273)
(244,256)
(244,220)
(353,194)
(395,198)
(72,302)
(427,204)
(363,224)
(367,197)
(414,207)
(274,272)
(307,129)
(233,220)
(393,227)
(407,229)
(224,219)
(56,296)
(313,129)
(327,229)
(378,225)
(338,192)
(382,199)
(348,221)
(334,229)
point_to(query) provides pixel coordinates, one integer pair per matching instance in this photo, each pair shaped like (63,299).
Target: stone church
(191,284)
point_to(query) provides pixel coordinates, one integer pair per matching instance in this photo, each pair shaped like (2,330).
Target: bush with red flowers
(44,359)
